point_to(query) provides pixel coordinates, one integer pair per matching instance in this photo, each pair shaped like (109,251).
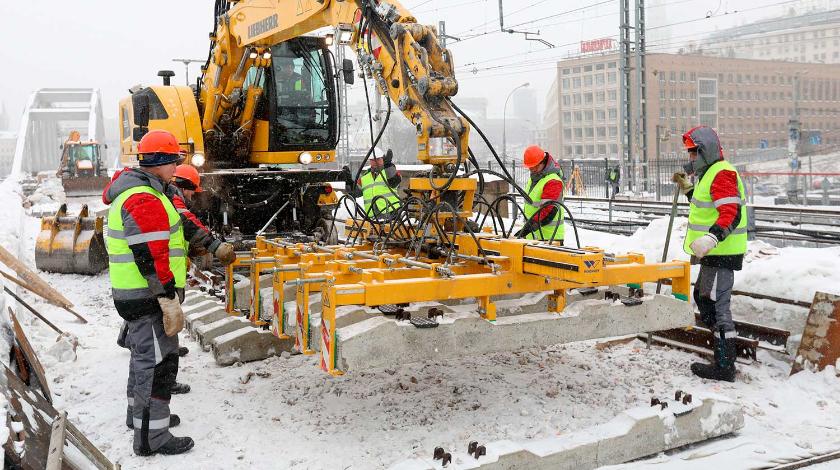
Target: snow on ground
(291,415)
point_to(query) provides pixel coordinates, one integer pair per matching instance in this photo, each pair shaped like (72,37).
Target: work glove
(703,245)
(388,159)
(225,254)
(682,182)
(173,316)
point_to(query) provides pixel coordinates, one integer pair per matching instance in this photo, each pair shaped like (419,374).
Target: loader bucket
(71,245)
(84,185)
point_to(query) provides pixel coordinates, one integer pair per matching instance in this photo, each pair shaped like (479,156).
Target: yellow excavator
(262,123)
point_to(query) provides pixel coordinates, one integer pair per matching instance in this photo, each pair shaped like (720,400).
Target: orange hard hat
(159,141)
(533,156)
(189,175)
(688,141)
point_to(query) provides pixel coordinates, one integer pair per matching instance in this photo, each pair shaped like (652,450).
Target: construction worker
(200,240)
(147,269)
(544,185)
(716,239)
(379,185)
(612,177)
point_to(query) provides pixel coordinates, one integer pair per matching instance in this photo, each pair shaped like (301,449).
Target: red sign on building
(595,45)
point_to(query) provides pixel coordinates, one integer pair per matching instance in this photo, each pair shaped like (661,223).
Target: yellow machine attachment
(484,267)
(71,244)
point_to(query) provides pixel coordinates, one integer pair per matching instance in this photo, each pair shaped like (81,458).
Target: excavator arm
(403,57)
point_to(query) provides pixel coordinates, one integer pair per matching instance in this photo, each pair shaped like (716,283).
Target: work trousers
(151,374)
(712,294)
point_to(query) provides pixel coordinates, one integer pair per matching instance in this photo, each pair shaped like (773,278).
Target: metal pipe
(260,232)
(297,282)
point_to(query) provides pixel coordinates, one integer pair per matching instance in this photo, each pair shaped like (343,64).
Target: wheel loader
(74,244)
(82,170)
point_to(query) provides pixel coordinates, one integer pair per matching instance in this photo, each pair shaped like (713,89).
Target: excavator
(262,123)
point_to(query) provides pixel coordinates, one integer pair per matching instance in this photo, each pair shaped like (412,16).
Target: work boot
(183,351)
(174,420)
(174,446)
(723,367)
(179,389)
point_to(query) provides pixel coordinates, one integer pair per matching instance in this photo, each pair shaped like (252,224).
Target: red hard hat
(159,141)
(189,173)
(533,156)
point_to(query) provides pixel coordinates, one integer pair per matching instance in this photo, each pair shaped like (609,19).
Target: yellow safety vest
(378,186)
(535,194)
(127,283)
(703,213)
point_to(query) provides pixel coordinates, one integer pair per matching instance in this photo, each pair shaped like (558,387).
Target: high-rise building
(812,36)
(749,103)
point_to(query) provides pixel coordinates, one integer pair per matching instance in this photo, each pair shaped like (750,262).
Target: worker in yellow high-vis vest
(147,268)
(716,239)
(379,185)
(544,186)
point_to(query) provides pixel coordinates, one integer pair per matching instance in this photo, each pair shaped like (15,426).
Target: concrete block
(248,344)
(383,342)
(242,289)
(196,319)
(207,333)
(201,306)
(633,434)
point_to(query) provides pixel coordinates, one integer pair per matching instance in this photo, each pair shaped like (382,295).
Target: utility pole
(186,63)
(641,111)
(624,124)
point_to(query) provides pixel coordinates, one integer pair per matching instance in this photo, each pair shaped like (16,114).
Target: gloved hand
(225,254)
(682,182)
(173,316)
(388,158)
(703,245)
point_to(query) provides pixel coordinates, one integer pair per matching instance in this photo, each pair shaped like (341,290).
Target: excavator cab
(299,107)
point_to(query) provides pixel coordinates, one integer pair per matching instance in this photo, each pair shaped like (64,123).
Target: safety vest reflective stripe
(127,282)
(718,203)
(376,188)
(706,228)
(555,227)
(120,234)
(129,257)
(703,214)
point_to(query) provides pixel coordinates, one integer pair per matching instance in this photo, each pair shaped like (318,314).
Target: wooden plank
(35,413)
(37,427)
(88,449)
(55,454)
(820,346)
(30,357)
(35,283)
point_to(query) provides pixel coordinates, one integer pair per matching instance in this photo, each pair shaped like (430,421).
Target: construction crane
(262,123)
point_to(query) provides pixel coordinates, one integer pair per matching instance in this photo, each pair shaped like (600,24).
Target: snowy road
(291,415)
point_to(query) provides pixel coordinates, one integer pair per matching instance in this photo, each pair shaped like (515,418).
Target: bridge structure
(49,116)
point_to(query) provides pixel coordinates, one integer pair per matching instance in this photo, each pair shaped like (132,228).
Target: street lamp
(504,121)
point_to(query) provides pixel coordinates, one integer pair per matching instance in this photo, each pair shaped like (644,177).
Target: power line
(496,19)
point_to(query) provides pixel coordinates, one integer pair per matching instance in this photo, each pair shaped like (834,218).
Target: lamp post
(504,121)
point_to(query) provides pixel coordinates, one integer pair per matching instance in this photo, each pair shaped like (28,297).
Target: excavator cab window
(302,104)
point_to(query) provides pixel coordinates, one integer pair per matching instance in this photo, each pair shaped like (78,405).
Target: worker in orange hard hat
(187,178)
(542,221)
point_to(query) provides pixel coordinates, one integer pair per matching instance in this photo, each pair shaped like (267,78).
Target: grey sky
(113,45)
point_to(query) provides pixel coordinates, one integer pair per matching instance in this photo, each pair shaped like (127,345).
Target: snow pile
(49,193)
